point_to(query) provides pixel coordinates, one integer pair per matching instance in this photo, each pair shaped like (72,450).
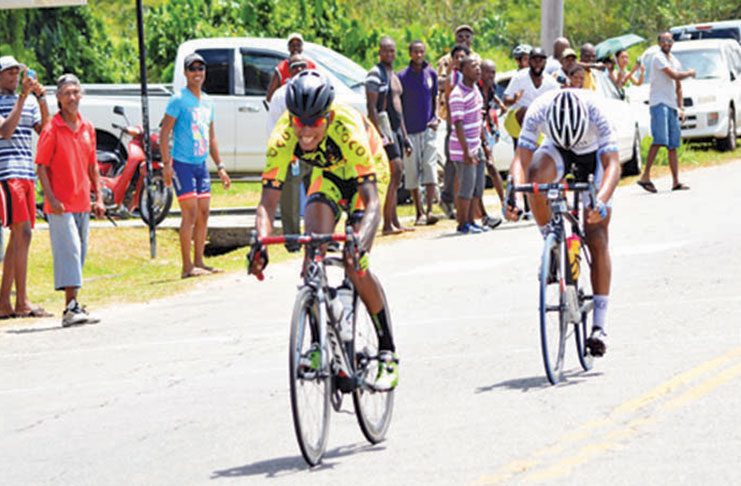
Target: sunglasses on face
(666,41)
(309,122)
(200,67)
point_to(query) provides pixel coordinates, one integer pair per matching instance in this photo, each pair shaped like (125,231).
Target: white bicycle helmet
(568,119)
(521,50)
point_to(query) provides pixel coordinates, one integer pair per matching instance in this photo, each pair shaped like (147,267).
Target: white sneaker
(74,314)
(388,371)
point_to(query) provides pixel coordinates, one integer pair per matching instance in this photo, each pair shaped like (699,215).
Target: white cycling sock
(543,230)
(600,311)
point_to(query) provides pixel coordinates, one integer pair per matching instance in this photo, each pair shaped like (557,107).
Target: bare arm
(518,169)
(611,164)
(678,75)
(9,124)
(167,123)
(214,150)
(461,134)
(371,101)
(56,206)
(368,193)
(94,174)
(274,85)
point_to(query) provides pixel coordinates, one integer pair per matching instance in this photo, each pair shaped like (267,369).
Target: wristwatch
(219,166)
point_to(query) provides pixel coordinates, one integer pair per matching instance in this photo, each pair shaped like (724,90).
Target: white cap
(7,62)
(295,35)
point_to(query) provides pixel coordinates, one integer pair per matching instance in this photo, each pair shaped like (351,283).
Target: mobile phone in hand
(31,74)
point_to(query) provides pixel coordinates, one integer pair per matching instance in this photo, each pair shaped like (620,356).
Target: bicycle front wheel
(372,408)
(310,384)
(552,322)
(586,304)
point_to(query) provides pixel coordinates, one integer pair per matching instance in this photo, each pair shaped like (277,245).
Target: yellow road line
(593,428)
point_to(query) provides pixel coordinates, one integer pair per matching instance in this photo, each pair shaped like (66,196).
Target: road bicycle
(333,350)
(565,300)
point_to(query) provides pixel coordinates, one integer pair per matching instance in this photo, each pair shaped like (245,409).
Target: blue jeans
(665,126)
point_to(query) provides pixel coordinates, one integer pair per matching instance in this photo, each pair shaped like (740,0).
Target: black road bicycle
(564,278)
(323,366)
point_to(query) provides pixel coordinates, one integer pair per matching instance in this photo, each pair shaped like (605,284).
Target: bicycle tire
(552,322)
(310,416)
(586,360)
(373,409)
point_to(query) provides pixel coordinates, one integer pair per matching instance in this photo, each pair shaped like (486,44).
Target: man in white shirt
(666,110)
(522,90)
(290,198)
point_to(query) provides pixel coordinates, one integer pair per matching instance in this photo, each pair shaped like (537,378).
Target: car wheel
(728,144)
(635,164)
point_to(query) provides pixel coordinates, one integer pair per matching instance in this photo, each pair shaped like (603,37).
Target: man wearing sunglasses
(189,116)
(343,149)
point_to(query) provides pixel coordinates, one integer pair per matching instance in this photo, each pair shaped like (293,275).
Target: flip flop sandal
(680,187)
(648,186)
(35,313)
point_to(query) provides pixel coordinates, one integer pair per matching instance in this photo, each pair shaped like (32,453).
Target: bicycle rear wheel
(552,301)
(373,409)
(310,387)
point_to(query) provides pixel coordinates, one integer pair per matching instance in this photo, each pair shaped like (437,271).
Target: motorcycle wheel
(162,200)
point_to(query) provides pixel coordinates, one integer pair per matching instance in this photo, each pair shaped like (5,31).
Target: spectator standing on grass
(465,105)
(568,60)
(20,115)
(464,36)
(68,170)
(300,172)
(418,100)
(383,100)
(282,73)
(667,111)
(491,103)
(189,117)
(588,61)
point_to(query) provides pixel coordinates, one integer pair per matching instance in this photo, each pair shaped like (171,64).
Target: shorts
(581,165)
(471,180)
(191,180)
(339,194)
(665,126)
(394,150)
(420,168)
(17,201)
(68,233)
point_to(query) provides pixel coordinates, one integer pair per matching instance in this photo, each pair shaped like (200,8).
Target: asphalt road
(194,389)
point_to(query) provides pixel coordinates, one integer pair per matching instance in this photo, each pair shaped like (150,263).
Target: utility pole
(551,23)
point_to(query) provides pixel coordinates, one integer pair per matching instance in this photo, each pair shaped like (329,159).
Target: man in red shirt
(67,167)
(282,72)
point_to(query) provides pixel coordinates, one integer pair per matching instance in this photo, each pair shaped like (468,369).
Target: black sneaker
(597,342)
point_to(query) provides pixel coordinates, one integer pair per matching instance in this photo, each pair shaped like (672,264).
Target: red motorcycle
(123,174)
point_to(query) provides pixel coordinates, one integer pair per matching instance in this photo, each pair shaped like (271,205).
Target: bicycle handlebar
(564,186)
(257,244)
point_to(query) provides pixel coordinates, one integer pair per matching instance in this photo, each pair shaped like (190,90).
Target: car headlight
(706,99)
(713,118)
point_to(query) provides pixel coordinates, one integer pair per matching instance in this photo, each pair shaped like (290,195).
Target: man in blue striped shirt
(19,115)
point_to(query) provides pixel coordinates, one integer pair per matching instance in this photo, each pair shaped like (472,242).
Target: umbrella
(614,44)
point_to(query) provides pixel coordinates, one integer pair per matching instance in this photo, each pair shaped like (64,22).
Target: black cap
(537,52)
(194,57)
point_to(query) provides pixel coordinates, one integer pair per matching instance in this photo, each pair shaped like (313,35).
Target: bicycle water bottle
(573,249)
(345,296)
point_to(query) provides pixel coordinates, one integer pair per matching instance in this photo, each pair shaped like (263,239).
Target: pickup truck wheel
(635,164)
(162,200)
(728,144)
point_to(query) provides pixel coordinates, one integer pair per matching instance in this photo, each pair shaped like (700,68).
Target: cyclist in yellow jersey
(343,148)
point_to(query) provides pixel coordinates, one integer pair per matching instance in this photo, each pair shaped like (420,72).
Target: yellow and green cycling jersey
(346,158)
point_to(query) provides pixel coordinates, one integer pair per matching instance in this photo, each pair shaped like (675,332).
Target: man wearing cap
(568,61)
(525,86)
(68,170)
(19,116)
(290,199)
(189,116)
(282,74)
(463,35)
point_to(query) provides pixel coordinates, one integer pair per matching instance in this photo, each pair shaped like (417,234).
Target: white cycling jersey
(600,136)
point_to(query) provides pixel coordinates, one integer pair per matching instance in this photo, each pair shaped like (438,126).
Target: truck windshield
(707,63)
(350,73)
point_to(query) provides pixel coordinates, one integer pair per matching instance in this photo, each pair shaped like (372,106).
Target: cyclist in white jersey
(581,140)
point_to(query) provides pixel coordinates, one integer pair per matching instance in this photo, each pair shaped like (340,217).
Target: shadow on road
(572,377)
(35,330)
(283,466)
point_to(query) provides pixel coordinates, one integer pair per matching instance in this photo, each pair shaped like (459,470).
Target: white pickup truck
(237,76)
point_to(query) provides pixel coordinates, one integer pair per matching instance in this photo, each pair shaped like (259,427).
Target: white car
(712,97)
